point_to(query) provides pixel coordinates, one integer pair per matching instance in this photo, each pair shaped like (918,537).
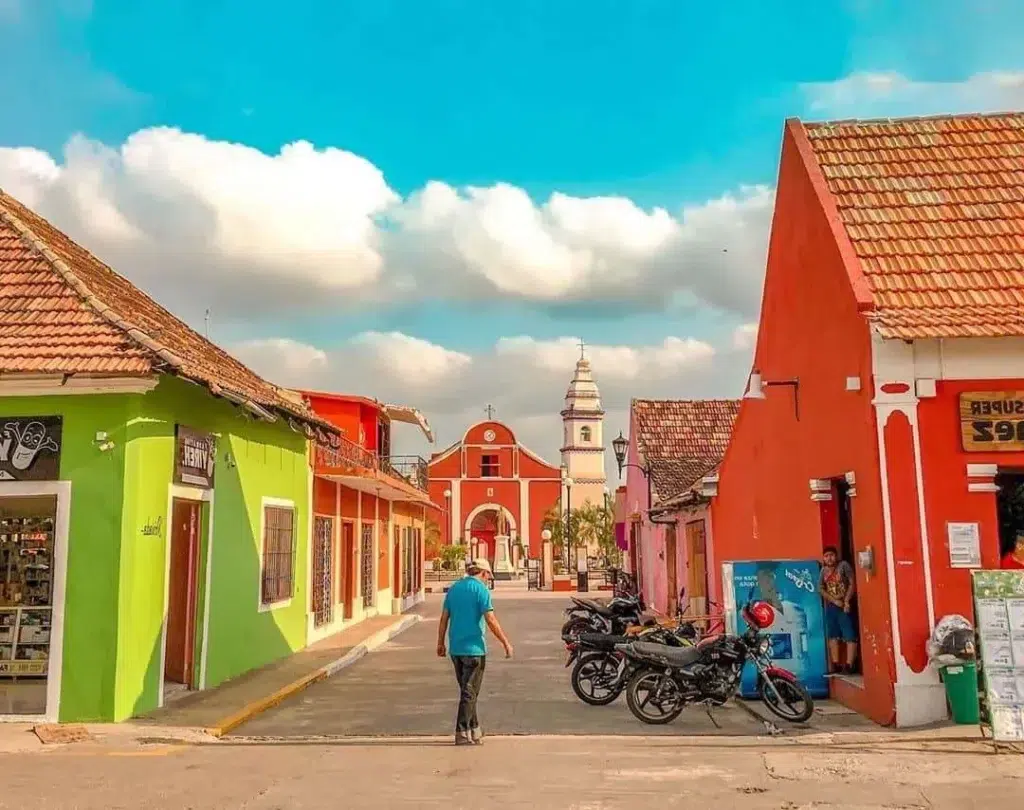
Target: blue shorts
(839,624)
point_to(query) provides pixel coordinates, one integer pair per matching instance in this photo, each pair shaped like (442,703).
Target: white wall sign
(964,545)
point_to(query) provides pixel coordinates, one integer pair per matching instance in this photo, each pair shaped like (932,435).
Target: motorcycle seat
(675,656)
(591,604)
(600,641)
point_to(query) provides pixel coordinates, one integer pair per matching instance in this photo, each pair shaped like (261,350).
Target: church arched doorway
(485,525)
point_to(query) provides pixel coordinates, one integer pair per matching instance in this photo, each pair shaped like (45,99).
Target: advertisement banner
(798,632)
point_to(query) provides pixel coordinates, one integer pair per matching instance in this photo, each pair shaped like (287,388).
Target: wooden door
(348,569)
(182,590)
(697,581)
(671,569)
(398,560)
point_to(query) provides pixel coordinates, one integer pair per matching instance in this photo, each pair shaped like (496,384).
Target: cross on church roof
(582,346)
(490,411)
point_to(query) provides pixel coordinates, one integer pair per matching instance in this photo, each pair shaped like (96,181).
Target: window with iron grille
(366,561)
(407,572)
(278,554)
(417,559)
(489,466)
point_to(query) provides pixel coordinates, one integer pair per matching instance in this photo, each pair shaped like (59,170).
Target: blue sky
(666,103)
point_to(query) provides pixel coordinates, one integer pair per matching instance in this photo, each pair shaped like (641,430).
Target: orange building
(369,515)
(490,485)
(885,415)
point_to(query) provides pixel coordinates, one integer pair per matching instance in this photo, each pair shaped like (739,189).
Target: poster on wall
(30,448)
(194,457)
(999,617)
(964,545)
(992,421)
(798,632)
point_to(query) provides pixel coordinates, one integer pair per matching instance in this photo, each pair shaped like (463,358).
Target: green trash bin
(961,681)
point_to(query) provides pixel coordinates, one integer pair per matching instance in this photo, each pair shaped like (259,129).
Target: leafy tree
(431,540)
(597,530)
(452,557)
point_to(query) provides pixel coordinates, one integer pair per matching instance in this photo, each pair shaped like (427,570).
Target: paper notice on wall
(1007,723)
(997,653)
(964,545)
(993,618)
(1015,613)
(1002,687)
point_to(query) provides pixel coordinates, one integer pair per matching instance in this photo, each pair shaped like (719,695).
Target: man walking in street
(467,608)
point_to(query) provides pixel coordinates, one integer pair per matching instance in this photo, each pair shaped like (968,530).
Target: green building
(154,494)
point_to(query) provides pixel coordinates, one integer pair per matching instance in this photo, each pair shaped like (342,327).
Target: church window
(489,466)
(585,434)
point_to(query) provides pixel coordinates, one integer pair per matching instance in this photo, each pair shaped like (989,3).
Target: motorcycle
(666,679)
(592,616)
(602,672)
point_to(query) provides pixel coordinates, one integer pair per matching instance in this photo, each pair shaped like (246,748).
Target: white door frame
(61,528)
(189,494)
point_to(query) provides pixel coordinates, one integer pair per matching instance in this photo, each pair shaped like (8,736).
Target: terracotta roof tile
(934,208)
(63,311)
(682,439)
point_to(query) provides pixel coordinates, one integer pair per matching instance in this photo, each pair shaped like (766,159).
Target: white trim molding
(40,385)
(187,493)
(61,538)
(278,503)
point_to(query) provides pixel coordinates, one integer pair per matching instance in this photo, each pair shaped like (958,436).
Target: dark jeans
(469,672)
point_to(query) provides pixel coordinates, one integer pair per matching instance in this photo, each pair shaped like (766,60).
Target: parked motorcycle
(668,679)
(592,616)
(602,672)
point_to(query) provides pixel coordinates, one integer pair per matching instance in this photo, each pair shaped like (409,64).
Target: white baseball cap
(483,564)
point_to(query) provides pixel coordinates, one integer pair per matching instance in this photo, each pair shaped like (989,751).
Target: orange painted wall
(529,467)
(448,467)
(502,434)
(480,491)
(475,457)
(944,471)
(810,329)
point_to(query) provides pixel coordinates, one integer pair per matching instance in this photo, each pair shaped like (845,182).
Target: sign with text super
(992,421)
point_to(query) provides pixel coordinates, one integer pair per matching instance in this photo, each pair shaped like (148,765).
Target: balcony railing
(346,454)
(411,469)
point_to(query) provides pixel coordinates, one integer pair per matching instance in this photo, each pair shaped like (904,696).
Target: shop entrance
(348,569)
(844,518)
(27,578)
(1010,507)
(182,594)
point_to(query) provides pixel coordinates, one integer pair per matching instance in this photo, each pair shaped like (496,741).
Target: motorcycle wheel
(603,668)
(641,689)
(793,695)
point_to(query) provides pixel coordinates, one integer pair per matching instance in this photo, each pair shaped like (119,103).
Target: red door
(487,542)
(348,568)
(182,590)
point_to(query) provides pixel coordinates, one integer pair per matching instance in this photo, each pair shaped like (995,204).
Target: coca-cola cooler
(798,632)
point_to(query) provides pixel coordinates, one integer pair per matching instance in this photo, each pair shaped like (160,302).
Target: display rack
(26,595)
(999,614)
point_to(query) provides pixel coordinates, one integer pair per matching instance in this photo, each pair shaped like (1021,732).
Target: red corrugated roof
(934,209)
(62,311)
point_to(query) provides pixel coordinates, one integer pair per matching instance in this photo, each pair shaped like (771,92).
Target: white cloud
(201,223)
(744,336)
(891,94)
(524,378)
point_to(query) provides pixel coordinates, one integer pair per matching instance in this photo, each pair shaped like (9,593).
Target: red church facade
(488,485)
(888,346)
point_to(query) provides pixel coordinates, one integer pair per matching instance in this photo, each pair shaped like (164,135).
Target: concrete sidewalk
(218,711)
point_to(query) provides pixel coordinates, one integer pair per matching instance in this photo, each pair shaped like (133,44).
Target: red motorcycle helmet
(759,615)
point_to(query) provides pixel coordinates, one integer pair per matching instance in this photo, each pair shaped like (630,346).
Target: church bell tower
(583,437)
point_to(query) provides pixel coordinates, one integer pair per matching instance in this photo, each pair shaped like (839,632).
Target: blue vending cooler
(798,632)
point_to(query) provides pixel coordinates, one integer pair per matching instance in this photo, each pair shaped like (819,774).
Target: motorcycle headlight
(764,646)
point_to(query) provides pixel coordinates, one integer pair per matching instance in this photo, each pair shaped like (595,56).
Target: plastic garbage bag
(952,641)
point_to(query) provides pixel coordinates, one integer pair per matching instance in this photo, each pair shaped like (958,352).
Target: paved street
(544,773)
(404,689)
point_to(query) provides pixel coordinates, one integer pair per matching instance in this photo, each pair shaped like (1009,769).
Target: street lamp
(619,447)
(450,531)
(756,386)
(567,540)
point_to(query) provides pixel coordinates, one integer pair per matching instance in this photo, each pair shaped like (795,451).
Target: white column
(456,505)
(524,514)
(357,608)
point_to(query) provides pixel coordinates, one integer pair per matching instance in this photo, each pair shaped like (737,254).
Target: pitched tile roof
(62,311)
(934,208)
(682,439)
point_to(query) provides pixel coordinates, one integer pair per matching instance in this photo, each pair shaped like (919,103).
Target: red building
(885,412)
(489,484)
(369,514)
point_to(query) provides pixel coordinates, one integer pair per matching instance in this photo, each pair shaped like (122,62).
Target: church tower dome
(583,437)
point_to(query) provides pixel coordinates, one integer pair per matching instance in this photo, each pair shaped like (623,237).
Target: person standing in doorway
(1014,559)
(467,609)
(837,587)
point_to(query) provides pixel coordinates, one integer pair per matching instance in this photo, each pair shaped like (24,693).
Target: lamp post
(448,511)
(619,446)
(567,540)
(756,386)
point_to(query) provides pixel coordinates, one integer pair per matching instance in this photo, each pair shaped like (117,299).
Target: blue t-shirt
(467,602)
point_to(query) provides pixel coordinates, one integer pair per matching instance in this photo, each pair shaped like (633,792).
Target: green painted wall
(90,614)
(116,573)
(268,460)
